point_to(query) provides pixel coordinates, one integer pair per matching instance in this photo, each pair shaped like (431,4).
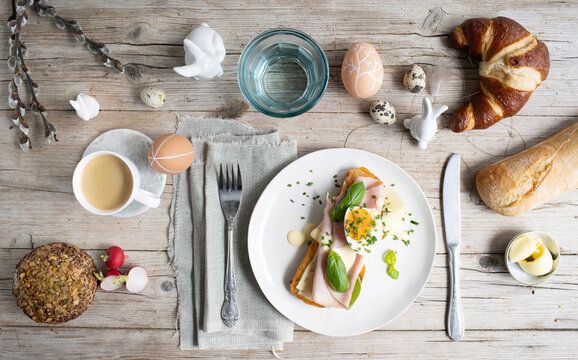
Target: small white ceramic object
(522,276)
(423,127)
(86,106)
(137,194)
(204,53)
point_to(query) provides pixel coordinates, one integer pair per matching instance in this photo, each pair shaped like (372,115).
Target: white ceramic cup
(142,196)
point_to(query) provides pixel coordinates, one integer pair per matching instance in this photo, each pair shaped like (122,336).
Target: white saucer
(134,145)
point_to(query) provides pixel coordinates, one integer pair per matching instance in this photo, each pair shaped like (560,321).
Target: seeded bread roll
(519,183)
(54,283)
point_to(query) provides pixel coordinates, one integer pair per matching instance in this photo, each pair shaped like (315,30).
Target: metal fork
(230,193)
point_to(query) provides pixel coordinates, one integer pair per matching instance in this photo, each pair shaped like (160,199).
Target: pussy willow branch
(98,48)
(21,71)
(15,22)
(49,129)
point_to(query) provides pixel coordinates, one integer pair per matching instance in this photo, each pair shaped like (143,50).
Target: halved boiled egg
(363,229)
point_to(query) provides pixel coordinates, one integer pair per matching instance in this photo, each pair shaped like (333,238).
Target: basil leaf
(391,271)
(336,272)
(389,257)
(356,291)
(353,197)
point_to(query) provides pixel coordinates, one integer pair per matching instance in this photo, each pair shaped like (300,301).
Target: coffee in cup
(105,183)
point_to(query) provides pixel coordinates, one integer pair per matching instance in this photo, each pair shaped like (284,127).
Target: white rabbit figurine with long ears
(204,52)
(423,127)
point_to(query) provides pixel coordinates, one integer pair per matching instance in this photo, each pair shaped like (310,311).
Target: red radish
(111,283)
(112,273)
(114,257)
(137,279)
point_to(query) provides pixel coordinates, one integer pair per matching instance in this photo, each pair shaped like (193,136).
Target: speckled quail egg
(153,96)
(383,112)
(414,79)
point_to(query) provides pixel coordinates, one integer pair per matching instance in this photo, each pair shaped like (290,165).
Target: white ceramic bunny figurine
(423,127)
(204,52)
(86,106)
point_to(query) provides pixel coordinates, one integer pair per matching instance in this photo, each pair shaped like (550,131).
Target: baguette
(538,174)
(312,249)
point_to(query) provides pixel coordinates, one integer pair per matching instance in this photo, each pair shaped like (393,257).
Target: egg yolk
(359,224)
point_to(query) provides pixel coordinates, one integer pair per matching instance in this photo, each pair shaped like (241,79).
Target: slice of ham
(374,191)
(321,288)
(323,292)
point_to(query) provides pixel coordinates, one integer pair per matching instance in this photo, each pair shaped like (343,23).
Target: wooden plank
(155,344)
(75,67)
(155,307)
(487,290)
(45,192)
(503,319)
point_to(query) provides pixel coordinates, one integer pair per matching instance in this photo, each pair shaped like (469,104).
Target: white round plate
(274,261)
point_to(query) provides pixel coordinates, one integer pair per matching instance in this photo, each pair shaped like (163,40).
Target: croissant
(514,63)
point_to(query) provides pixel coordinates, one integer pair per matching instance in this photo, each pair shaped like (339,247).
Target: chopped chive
(392,185)
(414,222)
(309,183)
(320,202)
(289,185)
(302,217)
(291,200)
(310,171)
(335,176)
(374,196)
(298,182)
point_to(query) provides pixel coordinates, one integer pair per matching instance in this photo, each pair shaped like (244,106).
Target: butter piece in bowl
(532,257)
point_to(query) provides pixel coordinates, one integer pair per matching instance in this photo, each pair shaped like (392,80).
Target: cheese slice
(305,285)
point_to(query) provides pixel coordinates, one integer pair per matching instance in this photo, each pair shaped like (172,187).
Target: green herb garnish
(355,293)
(353,197)
(389,257)
(336,272)
(391,271)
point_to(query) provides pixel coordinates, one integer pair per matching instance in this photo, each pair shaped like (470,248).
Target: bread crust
(312,249)
(54,283)
(538,174)
(504,90)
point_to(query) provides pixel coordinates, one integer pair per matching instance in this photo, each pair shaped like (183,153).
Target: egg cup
(520,275)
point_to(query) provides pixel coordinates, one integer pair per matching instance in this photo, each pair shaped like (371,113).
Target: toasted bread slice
(312,250)
(309,255)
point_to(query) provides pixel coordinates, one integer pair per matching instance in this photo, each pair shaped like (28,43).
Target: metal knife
(452,229)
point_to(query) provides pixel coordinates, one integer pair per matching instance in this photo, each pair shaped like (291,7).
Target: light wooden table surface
(503,318)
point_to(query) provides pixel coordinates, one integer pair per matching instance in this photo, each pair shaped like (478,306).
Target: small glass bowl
(520,275)
(283,72)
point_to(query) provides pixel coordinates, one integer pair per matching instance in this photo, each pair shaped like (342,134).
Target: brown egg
(362,70)
(171,154)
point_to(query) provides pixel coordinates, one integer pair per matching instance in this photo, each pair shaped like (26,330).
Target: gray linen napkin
(197,236)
